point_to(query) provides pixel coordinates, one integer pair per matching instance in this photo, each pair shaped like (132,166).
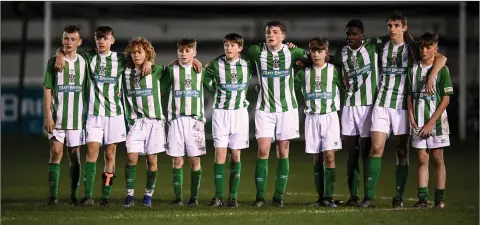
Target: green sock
(318,176)
(219,173)
(329,182)
(53,177)
(178,183)
(90,170)
(283,168)
(130,177)
(107,182)
(196,178)
(261,173)
(439,195)
(373,173)
(423,194)
(401,180)
(235,171)
(353,175)
(151,181)
(74,180)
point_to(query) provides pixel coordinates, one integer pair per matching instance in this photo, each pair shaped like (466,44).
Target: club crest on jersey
(354,61)
(423,83)
(394,59)
(233,77)
(188,83)
(71,76)
(136,82)
(103,68)
(276,62)
(318,85)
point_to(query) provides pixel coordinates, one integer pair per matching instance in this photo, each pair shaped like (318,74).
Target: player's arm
(299,80)
(86,53)
(445,90)
(438,64)
(165,81)
(208,77)
(48,83)
(408,85)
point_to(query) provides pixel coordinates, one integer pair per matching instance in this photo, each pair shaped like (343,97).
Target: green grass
(24,190)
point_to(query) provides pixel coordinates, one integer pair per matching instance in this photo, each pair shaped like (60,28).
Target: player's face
(354,37)
(70,42)
(138,55)
(396,29)
(428,51)
(318,55)
(232,50)
(104,43)
(274,36)
(186,55)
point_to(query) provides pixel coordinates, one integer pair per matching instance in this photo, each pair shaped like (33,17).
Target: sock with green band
(373,173)
(423,194)
(329,182)
(53,178)
(90,170)
(178,183)
(74,180)
(439,195)
(219,175)
(235,171)
(261,173)
(401,180)
(283,169)
(151,181)
(196,178)
(318,176)
(130,178)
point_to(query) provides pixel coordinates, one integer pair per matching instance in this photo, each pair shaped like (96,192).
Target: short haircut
(102,31)
(396,15)
(187,43)
(278,24)
(72,29)
(318,43)
(235,38)
(428,39)
(356,23)
(143,43)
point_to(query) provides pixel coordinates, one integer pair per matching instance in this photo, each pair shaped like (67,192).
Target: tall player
(358,60)
(229,76)
(390,111)
(276,115)
(105,120)
(63,105)
(143,110)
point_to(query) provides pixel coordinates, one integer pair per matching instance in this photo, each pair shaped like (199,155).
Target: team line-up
(393,84)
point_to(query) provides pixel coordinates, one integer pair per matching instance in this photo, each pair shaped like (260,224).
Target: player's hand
(291,45)
(426,130)
(257,88)
(431,86)
(300,64)
(413,124)
(60,62)
(49,125)
(146,68)
(197,65)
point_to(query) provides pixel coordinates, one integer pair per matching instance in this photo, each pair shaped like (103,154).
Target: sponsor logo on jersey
(106,80)
(318,95)
(275,73)
(140,92)
(70,88)
(234,87)
(448,89)
(187,93)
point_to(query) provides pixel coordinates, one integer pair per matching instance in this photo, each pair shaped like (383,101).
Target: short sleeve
(444,85)
(165,80)
(49,78)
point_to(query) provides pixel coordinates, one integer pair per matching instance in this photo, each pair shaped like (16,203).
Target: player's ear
(404,28)
(80,42)
(194,52)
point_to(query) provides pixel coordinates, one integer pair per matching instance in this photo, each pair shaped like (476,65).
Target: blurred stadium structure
(165,22)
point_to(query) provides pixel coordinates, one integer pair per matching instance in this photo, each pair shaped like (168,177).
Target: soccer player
(228,76)
(358,60)
(63,105)
(428,119)
(186,130)
(143,110)
(390,111)
(105,119)
(321,84)
(276,115)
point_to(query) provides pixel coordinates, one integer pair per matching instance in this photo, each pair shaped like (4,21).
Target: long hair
(143,43)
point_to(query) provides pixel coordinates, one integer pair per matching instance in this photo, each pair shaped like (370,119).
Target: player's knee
(235,156)
(132,159)
(377,149)
(74,156)
(195,163)
(423,159)
(329,158)
(177,162)
(152,165)
(438,161)
(220,156)
(56,154)
(263,153)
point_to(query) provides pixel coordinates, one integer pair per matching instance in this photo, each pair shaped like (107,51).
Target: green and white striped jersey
(68,89)
(395,64)
(230,81)
(360,71)
(275,74)
(143,94)
(424,105)
(104,97)
(320,88)
(186,92)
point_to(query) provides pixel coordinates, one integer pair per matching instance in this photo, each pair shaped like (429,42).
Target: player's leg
(331,142)
(195,147)
(313,146)
(195,180)
(400,128)
(287,129)
(220,131)
(319,177)
(131,173)
(56,153)
(73,140)
(422,173)
(264,131)
(351,136)
(380,129)
(437,144)
(94,134)
(329,161)
(177,180)
(364,124)
(235,172)
(151,179)
(176,149)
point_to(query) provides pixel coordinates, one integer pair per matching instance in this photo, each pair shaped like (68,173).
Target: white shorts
(280,126)
(106,129)
(431,142)
(230,128)
(386,120)
(357,120)
(322,133)
(146,137)
(71,138)
(186,134)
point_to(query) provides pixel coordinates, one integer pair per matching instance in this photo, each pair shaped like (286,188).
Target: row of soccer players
(105,74)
